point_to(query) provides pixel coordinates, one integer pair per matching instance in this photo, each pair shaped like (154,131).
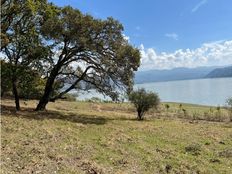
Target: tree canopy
(30,84)
(21,41)
(87,53)
(67,47)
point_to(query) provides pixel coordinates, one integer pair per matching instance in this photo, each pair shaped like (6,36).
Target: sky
(170,33)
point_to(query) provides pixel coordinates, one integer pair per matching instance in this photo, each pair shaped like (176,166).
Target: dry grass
(81,137)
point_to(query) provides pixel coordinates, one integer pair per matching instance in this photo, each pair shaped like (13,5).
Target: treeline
(44,46)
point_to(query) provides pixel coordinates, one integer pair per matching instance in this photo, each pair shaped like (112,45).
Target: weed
(193,149)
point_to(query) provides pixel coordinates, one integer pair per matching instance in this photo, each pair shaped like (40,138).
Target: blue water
(201,91)
(212,92)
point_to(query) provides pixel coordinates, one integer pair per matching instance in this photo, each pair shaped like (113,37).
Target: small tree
(167,106)
(143,101)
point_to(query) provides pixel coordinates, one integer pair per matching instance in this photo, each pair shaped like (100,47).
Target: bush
(167,106)
(143,101)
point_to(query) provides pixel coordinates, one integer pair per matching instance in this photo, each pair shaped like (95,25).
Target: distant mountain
(173,74)
(220,72)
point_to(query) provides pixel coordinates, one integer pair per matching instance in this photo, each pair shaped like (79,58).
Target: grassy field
(84,137)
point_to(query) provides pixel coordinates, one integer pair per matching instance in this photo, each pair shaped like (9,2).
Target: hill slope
(80,137)
(173,74)
(220,72)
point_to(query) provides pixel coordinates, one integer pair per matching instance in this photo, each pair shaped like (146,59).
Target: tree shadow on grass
(29,113)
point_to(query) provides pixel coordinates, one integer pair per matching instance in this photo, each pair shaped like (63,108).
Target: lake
(212,92)
(199,91)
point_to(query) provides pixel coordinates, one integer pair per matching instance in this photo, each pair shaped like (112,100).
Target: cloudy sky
(181,33)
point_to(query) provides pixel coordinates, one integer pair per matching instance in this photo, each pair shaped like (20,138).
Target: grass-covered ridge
(85,137)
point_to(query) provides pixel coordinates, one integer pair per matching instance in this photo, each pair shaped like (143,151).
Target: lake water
(212,92)
(201,91)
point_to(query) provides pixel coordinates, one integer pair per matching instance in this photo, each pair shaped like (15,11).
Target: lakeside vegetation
(97,137)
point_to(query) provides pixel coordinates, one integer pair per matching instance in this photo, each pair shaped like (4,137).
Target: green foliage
(6,84)
(218,108)
(21,22)
(193,149)
(22,44)
(167,106)
(30,84)
(143,101)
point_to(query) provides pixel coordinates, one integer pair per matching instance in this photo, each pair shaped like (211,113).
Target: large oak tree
(87,53)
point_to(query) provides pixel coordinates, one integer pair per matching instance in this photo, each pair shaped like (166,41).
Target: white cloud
(197,6)
(172,36)
(209,54)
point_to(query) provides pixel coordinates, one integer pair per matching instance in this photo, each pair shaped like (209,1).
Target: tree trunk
(47,91)
(2,92)
(43,101)
(140,115)
(15,93)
